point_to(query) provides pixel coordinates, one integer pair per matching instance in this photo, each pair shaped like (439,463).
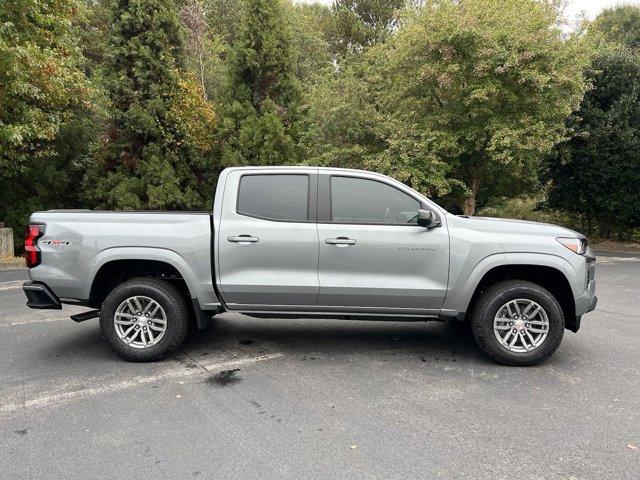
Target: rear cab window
(277,197)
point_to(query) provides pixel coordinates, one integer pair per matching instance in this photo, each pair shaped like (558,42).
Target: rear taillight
(32,252)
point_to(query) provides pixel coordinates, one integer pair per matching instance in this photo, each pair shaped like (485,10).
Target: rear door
(267,249)
(373,255)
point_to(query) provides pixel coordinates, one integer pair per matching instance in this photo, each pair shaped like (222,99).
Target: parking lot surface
(304,399)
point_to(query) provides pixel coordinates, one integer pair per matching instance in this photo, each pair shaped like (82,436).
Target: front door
(373,255)
(267,243)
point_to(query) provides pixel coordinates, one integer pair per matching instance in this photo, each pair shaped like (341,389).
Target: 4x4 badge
(57,243)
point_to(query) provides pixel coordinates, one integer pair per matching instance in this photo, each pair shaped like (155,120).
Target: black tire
(487,306)
(169,298)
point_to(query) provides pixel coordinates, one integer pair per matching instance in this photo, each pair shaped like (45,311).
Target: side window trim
(324,201)
(312,197)
(324,198)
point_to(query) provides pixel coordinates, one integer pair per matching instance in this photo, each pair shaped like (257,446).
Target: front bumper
(588,300)
(592,304)
(40,296)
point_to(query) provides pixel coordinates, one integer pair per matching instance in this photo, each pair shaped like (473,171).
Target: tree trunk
(202,82)
(469,203)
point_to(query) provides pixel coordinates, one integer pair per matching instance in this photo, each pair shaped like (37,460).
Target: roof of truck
(309,167)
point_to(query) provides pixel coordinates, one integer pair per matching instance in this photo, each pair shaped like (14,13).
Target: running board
(81,317)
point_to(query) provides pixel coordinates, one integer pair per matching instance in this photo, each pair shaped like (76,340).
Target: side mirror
(428,219)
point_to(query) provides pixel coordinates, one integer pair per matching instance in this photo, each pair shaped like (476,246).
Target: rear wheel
(144,319)
(517,323)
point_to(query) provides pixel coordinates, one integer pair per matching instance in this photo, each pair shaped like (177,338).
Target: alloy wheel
(140,322)
(521,325)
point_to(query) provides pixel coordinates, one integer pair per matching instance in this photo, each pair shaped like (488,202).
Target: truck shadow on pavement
(85,343)
(232,335)
(313,339)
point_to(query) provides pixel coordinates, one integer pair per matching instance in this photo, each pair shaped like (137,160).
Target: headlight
(576,245)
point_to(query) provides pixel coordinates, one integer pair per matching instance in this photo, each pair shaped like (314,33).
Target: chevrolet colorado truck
(308,242)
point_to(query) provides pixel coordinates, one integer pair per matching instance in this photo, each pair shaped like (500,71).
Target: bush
(526,208)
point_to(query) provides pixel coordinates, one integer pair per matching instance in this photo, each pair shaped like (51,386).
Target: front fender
(462,288)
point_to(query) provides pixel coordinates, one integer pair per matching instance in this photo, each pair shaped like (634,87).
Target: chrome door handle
(243,239)
(340,241)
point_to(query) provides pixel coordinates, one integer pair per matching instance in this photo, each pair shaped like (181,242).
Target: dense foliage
(154,151)
(263,92)
(139,104)
(40,78)
(620,25)
(489,93)
(596,172)
(358,24)
(462,93)
(44,96)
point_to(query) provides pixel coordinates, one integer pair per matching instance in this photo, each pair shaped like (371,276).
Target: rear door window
(278,197)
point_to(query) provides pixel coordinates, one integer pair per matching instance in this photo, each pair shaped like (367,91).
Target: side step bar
(81,317)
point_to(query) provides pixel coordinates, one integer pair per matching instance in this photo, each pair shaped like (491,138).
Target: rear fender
(200,289)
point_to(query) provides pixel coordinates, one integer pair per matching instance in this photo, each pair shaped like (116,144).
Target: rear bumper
(40,296)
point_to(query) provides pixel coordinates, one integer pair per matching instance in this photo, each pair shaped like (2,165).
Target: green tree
(595,174)
(341,122)
(346,124)
(211,29)
(93,25)
(620,24)
(149,157)
(41,78)
(193,14)
(358,24)
(46,103)
(482,87)
(224,18)
(308,35)
(261,122)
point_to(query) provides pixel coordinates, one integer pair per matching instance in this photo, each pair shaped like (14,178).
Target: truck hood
(509,225)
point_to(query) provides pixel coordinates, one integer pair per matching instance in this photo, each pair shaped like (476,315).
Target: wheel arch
(549,271)
(550,278)
(114,266)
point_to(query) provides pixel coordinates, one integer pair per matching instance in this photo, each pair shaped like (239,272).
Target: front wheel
(144,319)
(517,322)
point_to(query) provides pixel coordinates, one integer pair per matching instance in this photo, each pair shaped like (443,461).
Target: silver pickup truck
(313,243)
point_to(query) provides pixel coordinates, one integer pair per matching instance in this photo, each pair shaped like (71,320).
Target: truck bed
(78,243)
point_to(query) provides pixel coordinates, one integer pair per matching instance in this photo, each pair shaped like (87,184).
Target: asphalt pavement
(326,399)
